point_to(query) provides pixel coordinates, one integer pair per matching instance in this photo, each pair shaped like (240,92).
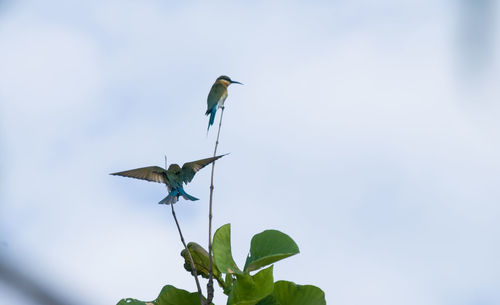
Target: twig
(195,274)
(210,285)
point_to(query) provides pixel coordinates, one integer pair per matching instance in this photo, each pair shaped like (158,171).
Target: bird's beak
(235,82)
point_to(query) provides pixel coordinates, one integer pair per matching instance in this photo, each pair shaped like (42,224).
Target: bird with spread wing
(173,177)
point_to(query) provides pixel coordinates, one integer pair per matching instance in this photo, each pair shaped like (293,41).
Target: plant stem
(195,274)
(210,285)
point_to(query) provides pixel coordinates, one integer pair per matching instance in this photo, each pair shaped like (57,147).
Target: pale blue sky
(363,130)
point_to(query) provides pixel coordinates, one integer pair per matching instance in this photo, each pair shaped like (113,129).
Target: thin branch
(195,274)
(210,285)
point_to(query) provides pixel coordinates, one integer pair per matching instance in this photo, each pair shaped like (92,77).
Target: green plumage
(217,96)
(173,177)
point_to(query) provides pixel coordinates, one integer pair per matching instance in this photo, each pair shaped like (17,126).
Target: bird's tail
(172,197)
(186,195)
(212,117)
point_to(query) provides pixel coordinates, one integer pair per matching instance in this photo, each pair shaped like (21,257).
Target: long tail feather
(172,197)
(212,117)
(186,195)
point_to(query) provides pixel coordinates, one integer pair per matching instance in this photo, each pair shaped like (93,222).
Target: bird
(217,96)
(173,177)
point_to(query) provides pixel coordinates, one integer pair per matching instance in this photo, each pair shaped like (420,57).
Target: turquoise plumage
(173,177)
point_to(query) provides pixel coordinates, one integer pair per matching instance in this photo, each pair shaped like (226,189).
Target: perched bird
(217,96)
(173,177)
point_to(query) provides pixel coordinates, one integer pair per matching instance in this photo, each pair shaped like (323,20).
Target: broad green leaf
(170,295)
(248,290)
(288,293)
(129,301)
(200,258)
(228,283)
(222,250)
(268,247)
(269,300)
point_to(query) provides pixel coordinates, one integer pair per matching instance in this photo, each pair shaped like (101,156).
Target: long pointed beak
(235,82)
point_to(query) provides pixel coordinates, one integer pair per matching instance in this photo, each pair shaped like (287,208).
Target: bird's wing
(191,168)
(214,96)
(150,173)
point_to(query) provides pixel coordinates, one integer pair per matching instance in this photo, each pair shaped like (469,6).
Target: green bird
(173,177)
(217,96)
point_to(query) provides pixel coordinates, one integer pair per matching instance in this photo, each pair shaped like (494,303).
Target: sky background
(366,130)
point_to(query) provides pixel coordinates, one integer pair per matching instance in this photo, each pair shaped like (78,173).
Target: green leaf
(228,284)
(170,295)
(269,300)
(129,301)
(288,293)
(222,250)
(248,290)
(200,258)
(268,247)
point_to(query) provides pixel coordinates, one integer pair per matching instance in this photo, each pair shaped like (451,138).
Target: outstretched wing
(150,173)
(214,96)
(191,168)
